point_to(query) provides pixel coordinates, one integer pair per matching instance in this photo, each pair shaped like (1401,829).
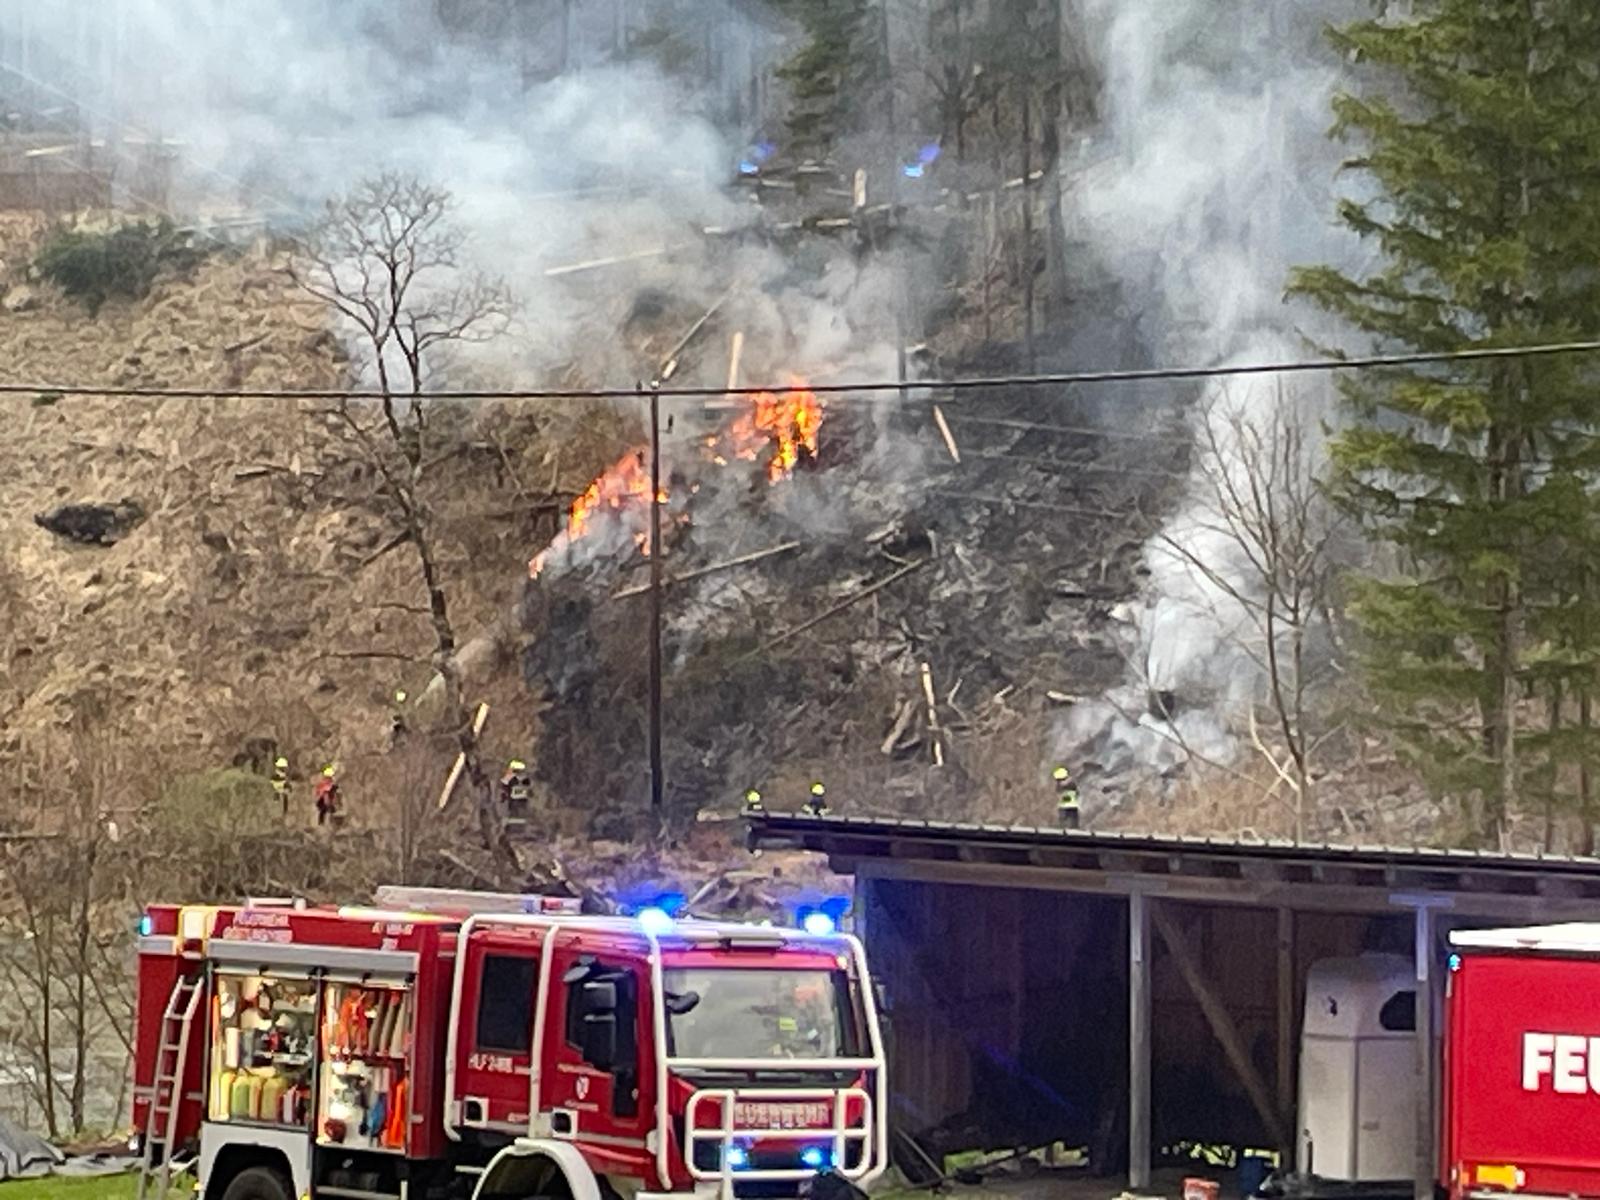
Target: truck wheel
(259,1183)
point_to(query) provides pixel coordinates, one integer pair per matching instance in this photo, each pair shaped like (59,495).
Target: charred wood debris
(913,609)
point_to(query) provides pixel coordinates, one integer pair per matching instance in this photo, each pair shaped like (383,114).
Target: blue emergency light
(654,920)
(818,924)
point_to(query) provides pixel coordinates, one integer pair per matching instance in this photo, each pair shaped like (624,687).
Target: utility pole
(893,219)
(656,781)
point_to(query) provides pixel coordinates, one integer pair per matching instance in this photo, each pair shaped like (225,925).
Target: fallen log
(669,366)
(612,260)
(897,730)
(735,353)
(870,590)
(933,715)
(944,431)
(461,758)
(640,589)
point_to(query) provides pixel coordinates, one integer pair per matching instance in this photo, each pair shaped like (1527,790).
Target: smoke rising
(1211,176)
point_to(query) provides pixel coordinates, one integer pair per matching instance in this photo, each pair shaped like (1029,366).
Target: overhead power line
(1064,379)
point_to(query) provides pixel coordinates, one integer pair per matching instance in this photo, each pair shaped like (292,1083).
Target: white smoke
(1211,177)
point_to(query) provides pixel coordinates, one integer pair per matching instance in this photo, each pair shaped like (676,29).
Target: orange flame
(786,421)
(625,486)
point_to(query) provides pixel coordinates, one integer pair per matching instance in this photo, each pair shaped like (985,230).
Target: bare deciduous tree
(388,261)
(1258,540)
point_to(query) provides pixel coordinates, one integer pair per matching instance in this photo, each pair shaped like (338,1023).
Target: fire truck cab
(450,1044)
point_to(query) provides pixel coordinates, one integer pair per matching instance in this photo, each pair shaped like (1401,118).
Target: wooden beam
(1423,949)
(1221,1022)
(1286,1028)
(461,758)
(1070,868)
(1138,1041)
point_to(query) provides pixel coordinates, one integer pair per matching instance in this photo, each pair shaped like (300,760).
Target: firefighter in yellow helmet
(515,790)
(280,782)
(753,803)
(397,717)
(817,804)
(1068,809)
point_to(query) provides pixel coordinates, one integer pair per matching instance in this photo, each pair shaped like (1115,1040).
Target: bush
(93,266)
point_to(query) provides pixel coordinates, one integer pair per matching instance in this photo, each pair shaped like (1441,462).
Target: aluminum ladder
(172,1059)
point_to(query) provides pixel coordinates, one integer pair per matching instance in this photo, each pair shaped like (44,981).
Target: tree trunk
(1055,249)
(1553,779)
(1028,254)
(1586,816)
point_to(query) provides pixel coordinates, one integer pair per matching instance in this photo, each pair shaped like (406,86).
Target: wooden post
(1286,1030)
(1138,1041)
(1424,1051)
(1221,1022)
(657,784)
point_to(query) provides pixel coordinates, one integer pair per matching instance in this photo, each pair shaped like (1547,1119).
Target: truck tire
(259,1183)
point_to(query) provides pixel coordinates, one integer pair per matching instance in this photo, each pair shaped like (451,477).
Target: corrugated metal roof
(775,826)
(1269,871)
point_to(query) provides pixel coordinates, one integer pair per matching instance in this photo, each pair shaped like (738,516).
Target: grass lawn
(110,1187)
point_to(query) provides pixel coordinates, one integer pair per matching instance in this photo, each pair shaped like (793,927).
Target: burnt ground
(1013,565)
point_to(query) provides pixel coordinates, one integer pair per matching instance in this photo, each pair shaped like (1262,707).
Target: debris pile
(902,617)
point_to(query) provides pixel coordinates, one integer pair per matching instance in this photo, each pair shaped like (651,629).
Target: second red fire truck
(458,1045)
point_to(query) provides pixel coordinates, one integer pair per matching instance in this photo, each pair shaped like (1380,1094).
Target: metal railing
(844,1131)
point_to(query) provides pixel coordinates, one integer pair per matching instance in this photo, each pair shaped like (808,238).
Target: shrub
(93,266)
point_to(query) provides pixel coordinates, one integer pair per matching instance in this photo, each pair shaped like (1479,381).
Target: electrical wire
(1066,379)
(1155,436)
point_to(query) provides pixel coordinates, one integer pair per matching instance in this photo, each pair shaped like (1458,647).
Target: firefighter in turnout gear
(515,790)
(817,805)
(397,718)
(280,782)
(327,795)
(752,802)
(1068,810)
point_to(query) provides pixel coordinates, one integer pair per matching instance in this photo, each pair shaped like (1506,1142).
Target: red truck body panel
(488,995)
(1521,1075)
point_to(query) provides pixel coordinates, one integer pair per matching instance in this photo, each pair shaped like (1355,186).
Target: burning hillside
(777,430)
(889,620)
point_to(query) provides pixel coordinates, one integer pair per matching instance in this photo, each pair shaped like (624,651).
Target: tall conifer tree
(1476,140)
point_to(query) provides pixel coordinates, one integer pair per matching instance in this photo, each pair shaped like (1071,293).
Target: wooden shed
(1125,992)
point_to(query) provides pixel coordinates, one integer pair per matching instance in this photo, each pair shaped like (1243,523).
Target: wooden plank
(1221,1022)
(461,759)
(1286,1025)
(1138,1041)
(1423,948)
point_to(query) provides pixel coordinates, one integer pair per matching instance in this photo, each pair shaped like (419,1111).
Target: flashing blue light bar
(814,1157)
(146,925)
(914,171)
(818,924)
(654,920)
(748,168)
(1455,962)
(738,1158)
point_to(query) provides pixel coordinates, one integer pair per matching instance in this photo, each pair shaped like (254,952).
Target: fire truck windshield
(756,1013)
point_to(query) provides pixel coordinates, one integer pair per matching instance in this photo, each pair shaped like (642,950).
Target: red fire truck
(1519,1073)
(454,1044)
(1522,1063)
